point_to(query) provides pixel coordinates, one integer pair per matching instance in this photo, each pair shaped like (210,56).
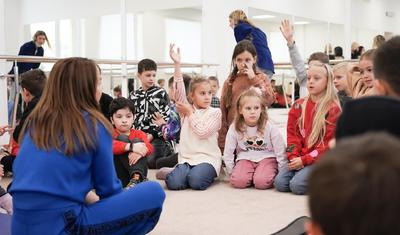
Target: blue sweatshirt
(51,180)
(246,31)
(28,49)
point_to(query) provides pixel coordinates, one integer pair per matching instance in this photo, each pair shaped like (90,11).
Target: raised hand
(287,31)
(175,55)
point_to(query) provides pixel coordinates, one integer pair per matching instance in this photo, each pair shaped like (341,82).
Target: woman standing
(245,29)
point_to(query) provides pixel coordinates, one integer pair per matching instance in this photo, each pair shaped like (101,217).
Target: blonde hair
(239,15)
(58,119)
(194,83)
(322,108)
(342,65)
(239,119)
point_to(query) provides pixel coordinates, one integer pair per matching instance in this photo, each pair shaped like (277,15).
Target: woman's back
(57,180)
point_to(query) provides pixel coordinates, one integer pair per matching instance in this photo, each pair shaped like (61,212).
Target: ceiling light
(301,22)
(263,17)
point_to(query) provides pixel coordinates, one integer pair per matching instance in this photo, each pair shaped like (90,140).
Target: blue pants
(135,211)
(292,180)
(198,177)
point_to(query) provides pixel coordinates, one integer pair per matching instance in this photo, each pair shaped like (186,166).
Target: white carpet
(222,209)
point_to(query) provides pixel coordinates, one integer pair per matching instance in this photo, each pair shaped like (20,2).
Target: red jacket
(297,139)
(119,146)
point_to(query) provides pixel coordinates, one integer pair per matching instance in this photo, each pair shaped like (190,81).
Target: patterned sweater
(147,103)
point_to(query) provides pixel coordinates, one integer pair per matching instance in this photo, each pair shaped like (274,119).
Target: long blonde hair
(322,108)
(58,120)
(239,119)
(239,15)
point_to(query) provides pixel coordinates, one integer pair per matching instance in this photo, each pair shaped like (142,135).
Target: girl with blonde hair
(311,125)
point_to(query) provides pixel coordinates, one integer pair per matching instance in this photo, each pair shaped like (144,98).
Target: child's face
(231,23)
(250,108)
(117,94)
(317,80)
(244,60)
(147,78)
(123,120)
(366,72)
(214,87)
(340,79)
(201,96)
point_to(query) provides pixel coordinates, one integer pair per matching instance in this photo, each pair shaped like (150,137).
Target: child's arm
(179,86)
(263,83)
(315,153)
(104,178)
(230,146)
(295,57)
(294,138)
(224,114)
(141,135)
(278,144)
(119,147)
(207,125)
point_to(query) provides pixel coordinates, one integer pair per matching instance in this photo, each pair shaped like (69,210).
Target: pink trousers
(261,174)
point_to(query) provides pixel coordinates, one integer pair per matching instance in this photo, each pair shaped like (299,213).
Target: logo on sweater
(290,148)
(255,143)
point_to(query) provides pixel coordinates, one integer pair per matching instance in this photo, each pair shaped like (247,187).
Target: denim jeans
(198,177)
(295,181)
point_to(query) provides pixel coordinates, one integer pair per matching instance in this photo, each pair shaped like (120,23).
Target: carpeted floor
(222,209)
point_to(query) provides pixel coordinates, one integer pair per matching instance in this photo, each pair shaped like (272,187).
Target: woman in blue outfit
(32,48)
(66,151)
(245,29)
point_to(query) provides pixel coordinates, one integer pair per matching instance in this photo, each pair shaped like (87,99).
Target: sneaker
(132,183)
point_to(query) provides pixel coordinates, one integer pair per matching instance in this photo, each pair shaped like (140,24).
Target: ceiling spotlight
(263,17)
(301,22)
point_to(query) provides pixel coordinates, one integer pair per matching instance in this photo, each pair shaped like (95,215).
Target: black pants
(121,163)
(7,162)
(125,171)
(159,147)
(168,161)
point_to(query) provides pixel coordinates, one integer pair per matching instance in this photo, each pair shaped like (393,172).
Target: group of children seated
(235,130)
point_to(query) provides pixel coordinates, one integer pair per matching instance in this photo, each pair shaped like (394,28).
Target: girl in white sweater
(199,159)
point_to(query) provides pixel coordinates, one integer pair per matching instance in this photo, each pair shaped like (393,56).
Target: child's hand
(158,119)
(140,148)
(287,31)
(175,56)
(184,109)
(4,129)
(249,71)
(295,164)
(1,171)
(133,158)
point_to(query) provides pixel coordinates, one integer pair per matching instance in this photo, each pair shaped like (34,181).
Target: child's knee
(298,187)
(240,181)
(281,184)
(199,183)
(263,182)
(174,182)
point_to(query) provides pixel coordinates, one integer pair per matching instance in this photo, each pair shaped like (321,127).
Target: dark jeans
(159,147)
(198,177)
(121,163)
(125,172)
(168,161)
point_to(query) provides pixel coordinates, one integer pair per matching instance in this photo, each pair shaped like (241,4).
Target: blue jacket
(246,31)
(51,180)
(28,49)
